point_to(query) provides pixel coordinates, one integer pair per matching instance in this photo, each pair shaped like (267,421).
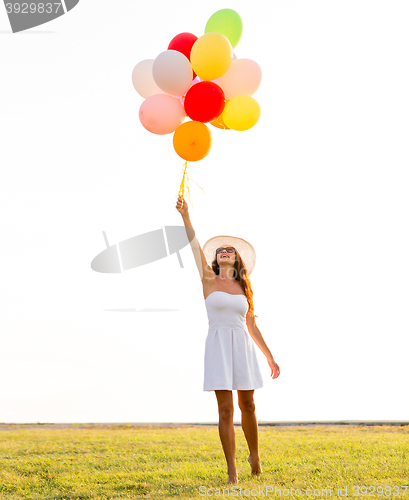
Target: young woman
(230,361)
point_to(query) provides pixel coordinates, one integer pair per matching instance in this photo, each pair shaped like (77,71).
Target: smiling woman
(240,259)
(230,360)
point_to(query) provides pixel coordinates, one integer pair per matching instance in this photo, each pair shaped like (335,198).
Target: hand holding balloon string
(181,206)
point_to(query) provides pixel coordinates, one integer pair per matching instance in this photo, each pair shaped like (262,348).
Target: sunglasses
(228,249)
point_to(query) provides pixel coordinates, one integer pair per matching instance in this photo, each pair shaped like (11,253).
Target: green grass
(121,462)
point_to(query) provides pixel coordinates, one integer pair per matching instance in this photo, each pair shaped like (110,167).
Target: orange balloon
(219,122)
(192,141)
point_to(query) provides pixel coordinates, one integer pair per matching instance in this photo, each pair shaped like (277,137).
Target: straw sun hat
(246,251)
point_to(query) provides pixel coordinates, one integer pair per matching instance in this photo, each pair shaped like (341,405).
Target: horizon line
(198,424)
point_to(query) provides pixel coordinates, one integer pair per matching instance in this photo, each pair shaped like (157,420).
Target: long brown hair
(240,275)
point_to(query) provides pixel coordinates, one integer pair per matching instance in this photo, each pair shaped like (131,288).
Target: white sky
(319,187)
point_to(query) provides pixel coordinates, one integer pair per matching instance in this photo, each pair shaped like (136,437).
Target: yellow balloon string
(187,177)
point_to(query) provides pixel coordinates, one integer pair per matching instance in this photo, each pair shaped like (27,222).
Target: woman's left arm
(258,339)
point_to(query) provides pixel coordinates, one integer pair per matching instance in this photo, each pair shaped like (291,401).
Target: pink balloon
(161,114)
(242,78)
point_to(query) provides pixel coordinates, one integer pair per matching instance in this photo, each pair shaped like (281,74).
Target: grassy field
(121,462)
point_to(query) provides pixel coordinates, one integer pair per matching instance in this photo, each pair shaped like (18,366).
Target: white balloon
(143,81)
(172,72)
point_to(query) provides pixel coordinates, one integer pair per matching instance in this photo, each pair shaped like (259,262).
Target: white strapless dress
(230,360)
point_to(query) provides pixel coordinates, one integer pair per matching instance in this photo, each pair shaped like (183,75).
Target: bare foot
(232,476)
(255,467)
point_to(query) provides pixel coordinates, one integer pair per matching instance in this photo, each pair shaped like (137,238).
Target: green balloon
(228,23)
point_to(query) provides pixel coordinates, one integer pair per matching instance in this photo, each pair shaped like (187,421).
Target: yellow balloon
(241,112)
(211,56)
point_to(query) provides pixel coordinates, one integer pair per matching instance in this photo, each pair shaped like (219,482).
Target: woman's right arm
(205,270)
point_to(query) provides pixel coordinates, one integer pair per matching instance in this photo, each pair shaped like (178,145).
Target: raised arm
(205,270)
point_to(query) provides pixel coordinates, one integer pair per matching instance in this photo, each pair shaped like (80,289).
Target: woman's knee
(247,406)
(226,411)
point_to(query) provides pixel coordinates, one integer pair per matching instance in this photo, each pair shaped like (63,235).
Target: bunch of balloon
(199,78)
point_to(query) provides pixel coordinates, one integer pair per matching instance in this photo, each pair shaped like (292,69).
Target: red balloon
(204,101)
(183,43)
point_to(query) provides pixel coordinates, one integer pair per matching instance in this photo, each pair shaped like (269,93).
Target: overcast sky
(319,187)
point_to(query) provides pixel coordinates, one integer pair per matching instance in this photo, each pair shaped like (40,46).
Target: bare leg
(226,431)
(250,428)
